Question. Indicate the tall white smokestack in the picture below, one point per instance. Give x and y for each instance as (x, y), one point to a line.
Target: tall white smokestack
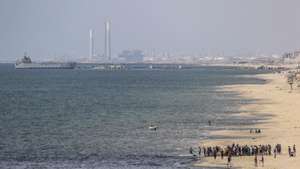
(91, 44)
(107, 48)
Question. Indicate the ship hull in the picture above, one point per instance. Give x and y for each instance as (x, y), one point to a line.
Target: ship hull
(45, 66)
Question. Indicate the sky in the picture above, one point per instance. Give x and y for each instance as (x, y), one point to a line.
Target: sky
(60, 28)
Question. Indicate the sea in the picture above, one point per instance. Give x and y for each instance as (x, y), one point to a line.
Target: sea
(90, 119)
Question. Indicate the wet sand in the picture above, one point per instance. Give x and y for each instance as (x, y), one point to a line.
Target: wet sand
(281, 124)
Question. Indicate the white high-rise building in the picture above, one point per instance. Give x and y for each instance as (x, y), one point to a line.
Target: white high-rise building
(107, 43)
(92, 50)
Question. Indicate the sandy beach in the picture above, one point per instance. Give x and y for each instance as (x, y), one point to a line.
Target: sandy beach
(279, 108)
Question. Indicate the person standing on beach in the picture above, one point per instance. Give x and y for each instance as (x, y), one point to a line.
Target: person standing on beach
(222, 154)
(294, 149)
(191, 150)
(215, 154)
(269, 149)
(262, 160)
(278, 148)
(275, 152)
(199, 149)
(290, 151)
(204, 151)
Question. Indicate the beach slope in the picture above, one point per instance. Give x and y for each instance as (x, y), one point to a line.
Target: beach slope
(279, 110)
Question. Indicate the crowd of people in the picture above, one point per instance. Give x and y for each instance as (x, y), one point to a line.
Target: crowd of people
(242, 150)
(237, 150)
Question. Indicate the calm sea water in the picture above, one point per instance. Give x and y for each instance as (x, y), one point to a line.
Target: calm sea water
(93, 119)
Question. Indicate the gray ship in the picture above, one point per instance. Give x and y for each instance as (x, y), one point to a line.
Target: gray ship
(26, 63)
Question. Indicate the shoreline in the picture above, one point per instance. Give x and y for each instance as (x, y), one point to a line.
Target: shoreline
(280, 123)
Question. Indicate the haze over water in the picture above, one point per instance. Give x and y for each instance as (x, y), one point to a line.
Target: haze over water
(53, 28)
(88, 119)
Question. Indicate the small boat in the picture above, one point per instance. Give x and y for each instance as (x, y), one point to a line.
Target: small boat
(153, 127)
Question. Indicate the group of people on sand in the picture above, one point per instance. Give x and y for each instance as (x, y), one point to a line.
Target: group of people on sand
(242, 150)
(255, 131)
(236, 150)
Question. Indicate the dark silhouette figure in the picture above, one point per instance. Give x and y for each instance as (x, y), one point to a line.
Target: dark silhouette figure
(191, 150)
(255, 160)
(229, 160)
(215, 154)
(209, 122)
(222, 154)
(294, 149)
(262, 160)
(199, 149)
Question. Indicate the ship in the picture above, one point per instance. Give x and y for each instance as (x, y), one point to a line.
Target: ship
(26, 63)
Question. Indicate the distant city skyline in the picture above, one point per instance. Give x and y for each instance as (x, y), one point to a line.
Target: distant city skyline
(59, 28)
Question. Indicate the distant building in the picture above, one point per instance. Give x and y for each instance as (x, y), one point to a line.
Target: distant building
(291, 57)
(263, 60)
(288, 55)
(132, 56)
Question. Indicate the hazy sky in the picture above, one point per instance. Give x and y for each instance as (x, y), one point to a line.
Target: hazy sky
(47, 28)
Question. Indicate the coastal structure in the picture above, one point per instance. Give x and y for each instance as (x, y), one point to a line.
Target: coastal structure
(107, 43)
(132, 56)
(92, 50)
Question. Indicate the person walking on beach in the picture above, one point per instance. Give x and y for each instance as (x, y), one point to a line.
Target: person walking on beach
(290, 151)
(229, 160)
(275, 152)
(255, 160)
